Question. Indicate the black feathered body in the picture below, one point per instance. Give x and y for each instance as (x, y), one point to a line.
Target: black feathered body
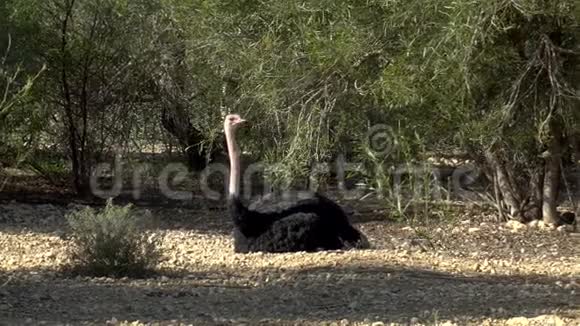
(309, 224)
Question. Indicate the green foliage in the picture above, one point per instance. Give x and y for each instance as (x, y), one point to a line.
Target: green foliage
(299, 71)
(50, 166)
(313, 77)
(112, 242)
(21, 120)
(100, 58)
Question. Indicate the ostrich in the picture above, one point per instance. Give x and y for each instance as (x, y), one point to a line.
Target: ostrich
(309, 224)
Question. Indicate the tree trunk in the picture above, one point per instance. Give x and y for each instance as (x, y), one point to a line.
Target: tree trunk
(552, 177)
(76, 142)
(533, 212)
(521, 201)
(173, 85)
(506, 190)
(575, 144)
(176, 121)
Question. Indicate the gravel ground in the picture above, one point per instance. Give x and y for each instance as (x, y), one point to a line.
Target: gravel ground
(467, 272)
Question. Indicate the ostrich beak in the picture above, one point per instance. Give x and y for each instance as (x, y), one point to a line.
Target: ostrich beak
(241, 121)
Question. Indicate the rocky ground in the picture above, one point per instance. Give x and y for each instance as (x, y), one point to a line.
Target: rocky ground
(465, 271)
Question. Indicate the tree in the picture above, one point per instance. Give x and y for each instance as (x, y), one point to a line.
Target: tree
(506, 75)
(20, 121)
(100, 56)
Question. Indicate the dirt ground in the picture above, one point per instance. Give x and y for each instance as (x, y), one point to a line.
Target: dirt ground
(468, 271)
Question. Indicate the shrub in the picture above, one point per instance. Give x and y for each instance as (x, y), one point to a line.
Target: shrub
(112, 242)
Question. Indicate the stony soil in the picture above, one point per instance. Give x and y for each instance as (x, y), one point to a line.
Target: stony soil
(467, 272)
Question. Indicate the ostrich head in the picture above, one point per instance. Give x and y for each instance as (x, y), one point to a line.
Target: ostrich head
(232, 121)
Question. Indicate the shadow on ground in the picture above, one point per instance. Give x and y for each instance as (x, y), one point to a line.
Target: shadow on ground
(308, 295)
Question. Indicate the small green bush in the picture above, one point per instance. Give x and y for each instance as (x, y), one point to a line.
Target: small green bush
(111, 243)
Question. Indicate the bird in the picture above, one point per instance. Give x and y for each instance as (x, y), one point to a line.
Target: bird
(312, 222)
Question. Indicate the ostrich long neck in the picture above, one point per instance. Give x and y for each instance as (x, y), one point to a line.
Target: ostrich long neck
(234, 155)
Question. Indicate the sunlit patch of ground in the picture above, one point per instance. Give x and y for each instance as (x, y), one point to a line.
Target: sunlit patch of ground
(460, 273)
